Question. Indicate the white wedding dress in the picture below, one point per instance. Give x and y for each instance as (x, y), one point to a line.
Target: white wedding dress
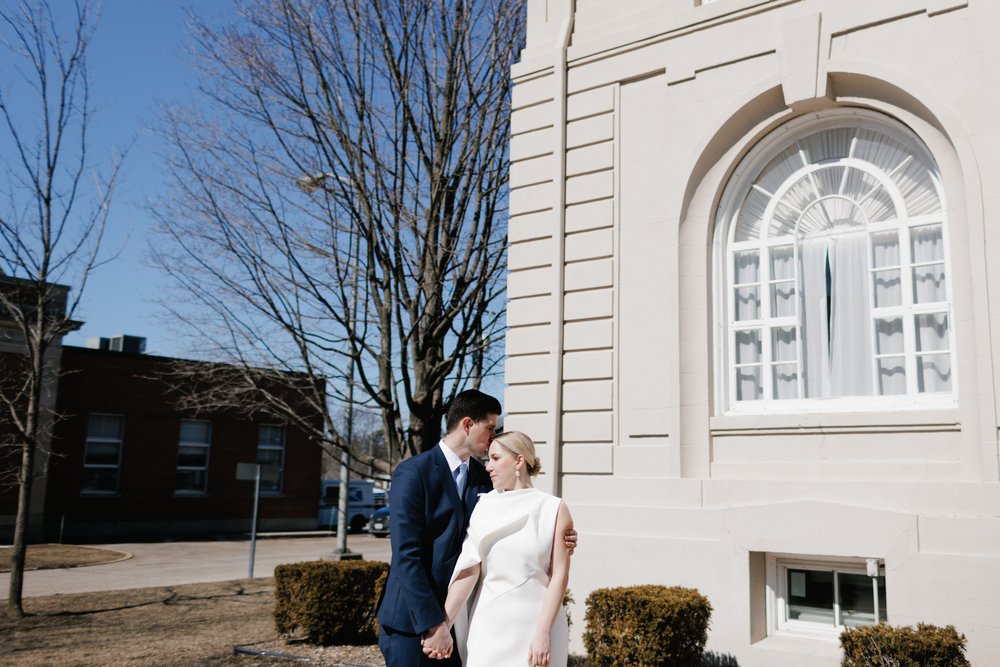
(511, 535)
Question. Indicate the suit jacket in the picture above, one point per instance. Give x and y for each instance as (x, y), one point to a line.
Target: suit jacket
(427, 525)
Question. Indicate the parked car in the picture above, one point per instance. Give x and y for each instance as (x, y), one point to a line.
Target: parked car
(379, 523)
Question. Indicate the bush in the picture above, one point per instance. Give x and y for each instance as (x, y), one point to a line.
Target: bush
(332, 602)
(646, 625)
(904, 646)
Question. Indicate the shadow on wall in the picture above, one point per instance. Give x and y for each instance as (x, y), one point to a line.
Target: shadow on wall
(712, 659)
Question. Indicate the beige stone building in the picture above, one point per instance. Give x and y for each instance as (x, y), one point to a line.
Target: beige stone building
(754, 305)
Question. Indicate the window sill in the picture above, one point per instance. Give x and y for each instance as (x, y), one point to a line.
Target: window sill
(886, 421)
(818, 645)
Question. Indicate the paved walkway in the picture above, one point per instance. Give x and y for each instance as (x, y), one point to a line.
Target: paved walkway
(172, 563)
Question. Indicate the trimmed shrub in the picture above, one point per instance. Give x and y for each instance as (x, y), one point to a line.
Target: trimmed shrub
(903, 646)
(331, 602)
(646, 625)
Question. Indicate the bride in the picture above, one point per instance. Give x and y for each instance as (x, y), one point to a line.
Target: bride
(516, 611)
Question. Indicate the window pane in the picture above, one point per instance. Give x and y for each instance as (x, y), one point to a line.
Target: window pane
(270, 434)
(783, 299)
(101, 453)
(195, 431)
(891, 376)
(105, 426)
(192, 456)
(926, 244)
(748, 386)
(932, 332)
(889, 336)
(810, 596)
(885, 249)
(746, 267)
(887, 288)
(783, 344)
(748, 346)
(928, 283)
(785, 381)
(879, 206)
(783, 221)
(191, 480)
(783, 263)
(934, 373)
(101, 480)
(857, 599)
(747, 303)
(751, 214)
(269, 456)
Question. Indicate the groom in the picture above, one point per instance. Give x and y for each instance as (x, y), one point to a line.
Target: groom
(431, 499)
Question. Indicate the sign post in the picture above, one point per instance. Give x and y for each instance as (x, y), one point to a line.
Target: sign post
(269, 472)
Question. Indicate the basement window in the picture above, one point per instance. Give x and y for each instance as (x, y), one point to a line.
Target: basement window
(820, 598)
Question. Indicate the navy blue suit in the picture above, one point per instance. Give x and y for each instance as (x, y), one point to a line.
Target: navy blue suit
(427, 525)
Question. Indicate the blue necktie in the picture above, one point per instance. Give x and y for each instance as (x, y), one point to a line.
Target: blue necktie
(461, 472)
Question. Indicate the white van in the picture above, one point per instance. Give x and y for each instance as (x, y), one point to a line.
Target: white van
(360, 504)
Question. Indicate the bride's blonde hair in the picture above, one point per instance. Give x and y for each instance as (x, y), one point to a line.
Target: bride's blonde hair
(519, 444)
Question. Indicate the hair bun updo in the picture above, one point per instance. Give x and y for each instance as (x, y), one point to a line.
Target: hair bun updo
(519, 444)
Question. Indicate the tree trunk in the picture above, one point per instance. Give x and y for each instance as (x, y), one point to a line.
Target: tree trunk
(20, 547)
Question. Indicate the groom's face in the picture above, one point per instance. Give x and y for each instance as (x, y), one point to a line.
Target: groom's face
(480, 434)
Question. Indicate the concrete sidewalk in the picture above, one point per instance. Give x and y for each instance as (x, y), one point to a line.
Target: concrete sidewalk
(173, 563)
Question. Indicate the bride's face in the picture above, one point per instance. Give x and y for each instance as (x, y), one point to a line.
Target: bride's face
(502, 467)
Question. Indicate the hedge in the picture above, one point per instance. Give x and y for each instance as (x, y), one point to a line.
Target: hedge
(903, 646)
(646, 625)
(331, 602)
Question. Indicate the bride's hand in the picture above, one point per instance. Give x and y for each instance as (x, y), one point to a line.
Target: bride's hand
(540, 651)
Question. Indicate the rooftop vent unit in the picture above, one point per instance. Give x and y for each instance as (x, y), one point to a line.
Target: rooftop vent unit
(120, 343)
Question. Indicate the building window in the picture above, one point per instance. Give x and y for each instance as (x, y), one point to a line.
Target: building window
(192, 456)
(271, 449)
(102, 454)
(822, 598)
(836, 271)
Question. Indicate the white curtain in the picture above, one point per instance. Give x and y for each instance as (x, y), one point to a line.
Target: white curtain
(815, 332)
(850, 318)
(836, 319)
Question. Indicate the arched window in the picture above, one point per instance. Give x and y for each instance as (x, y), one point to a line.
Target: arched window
(836, 265)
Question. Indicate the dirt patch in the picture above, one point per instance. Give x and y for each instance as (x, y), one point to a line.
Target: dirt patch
(54, 556)
(193, 624)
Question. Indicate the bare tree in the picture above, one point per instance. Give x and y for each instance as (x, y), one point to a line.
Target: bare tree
(339, 200)
(52, 221)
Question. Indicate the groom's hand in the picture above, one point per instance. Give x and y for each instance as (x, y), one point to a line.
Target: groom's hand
(437, 642)
(570, 540)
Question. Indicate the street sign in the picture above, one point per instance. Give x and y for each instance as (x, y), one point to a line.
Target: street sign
(269, 472)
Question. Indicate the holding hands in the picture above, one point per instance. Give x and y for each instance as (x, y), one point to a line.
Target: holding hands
(437, 642)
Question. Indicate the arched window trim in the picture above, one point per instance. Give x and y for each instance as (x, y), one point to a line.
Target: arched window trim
(743, 177)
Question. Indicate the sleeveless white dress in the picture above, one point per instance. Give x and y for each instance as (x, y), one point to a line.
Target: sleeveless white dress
(511, 535)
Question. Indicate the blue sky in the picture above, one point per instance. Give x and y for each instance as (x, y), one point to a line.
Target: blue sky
(137, 63)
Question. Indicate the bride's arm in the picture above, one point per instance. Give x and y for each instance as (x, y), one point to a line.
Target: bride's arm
(459, 592)
(439, 644)
(540, 651)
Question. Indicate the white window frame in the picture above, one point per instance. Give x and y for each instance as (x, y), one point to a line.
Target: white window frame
(119, 441)
(207, 446)
(778, 566)
(724, 279)
(280, 484)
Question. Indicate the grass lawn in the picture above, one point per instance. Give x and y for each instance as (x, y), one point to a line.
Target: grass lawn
(193, 624)
(53, 556)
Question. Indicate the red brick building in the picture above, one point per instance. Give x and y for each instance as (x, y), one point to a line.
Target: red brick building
(128, 462)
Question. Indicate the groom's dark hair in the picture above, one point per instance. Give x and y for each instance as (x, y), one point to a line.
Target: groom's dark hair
(471, 403)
